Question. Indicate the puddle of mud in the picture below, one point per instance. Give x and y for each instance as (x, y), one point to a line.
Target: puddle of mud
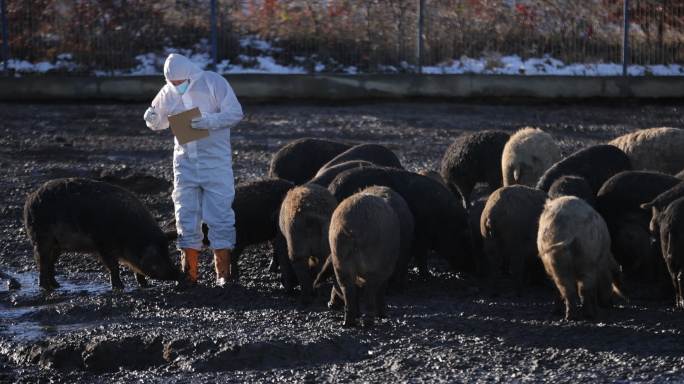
(18, 308)
(30, 287)
(31, 331)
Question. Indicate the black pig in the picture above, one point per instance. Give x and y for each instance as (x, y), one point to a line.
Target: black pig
(299, 160)
(441, 221)
(84, 215)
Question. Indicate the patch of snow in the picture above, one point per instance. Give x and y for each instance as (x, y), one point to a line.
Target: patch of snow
(264, 62)
(514, 65)
(258, 44)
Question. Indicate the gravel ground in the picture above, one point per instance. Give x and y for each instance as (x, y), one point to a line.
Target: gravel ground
(441, 329)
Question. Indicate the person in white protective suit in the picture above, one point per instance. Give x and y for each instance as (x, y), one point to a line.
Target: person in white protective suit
(203, 185)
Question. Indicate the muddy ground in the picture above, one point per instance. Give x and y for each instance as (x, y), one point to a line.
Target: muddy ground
(443, 328)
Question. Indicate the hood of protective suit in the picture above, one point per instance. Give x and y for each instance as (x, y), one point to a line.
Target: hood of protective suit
(179, 67)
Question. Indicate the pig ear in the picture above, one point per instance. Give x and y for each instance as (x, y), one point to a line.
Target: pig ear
(646, 206)
(171, 235)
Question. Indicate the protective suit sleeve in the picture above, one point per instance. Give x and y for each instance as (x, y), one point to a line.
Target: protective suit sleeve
(230, 110)
(161, 106)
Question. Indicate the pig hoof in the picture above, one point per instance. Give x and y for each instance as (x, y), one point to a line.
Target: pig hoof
(46, 287)
(49, 285)
(142, 281)
(349, 324)
(226, 283)
(572, 316)
(334, 304)
(13, 284)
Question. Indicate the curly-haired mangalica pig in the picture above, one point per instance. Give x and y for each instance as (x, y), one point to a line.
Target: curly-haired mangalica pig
(304, 222)
(474, 158)
(596, 164)
(619, 202)
(441, 221)
(574, 246)
(365, 244)
(668, 224)
(325, 176)
(373, 153)
(299, 160)
(527, 155)
(654, 149)
(83, 215)
(571, 185)
(660, 202)
(406, 226)
(627, 191)
(508, 226)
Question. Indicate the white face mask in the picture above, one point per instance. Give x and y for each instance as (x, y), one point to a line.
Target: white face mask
(182, 87)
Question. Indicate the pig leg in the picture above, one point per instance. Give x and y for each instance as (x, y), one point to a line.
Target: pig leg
(493, 266)
(142, 281)
(419, 252)
(301, 269)
(112, 264)
(279, 248)
(400, 275)
(234, 268)
(567, 287)
(589, 297)
(370, 302)
(46, 253)
(570, 299)
(680, 290)
(351, 305)
(381, 305)
(517, 268)
(336, 298)
(287, 275)
(351, 299)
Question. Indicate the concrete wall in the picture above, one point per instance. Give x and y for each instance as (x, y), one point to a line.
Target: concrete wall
(347, 87)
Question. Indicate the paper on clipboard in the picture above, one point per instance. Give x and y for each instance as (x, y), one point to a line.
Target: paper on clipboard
(180, 126)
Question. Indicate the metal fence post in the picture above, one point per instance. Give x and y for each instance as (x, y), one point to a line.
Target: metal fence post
(5, 37)
(419, 43)
(214, 36)
(625, 37)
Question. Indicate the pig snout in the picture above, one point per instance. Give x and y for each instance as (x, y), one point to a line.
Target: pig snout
(158, 265)
(165, 271)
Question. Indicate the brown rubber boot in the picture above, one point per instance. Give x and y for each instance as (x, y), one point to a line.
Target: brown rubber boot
(189, 259)
(222, 266)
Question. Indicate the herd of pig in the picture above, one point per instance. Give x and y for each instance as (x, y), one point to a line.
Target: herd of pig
(352, 212)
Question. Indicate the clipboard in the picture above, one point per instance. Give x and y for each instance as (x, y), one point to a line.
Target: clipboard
(180, 126)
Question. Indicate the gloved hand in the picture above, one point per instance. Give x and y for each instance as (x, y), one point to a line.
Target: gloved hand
(151, 116)
(203, 122)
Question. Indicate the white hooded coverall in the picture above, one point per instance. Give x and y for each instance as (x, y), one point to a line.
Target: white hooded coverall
(203, 185)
